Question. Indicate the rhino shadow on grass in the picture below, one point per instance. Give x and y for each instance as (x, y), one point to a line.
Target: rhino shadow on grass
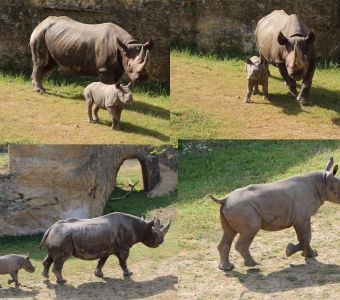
(316, 274)
(149, 109)
(132, 128)
(20, 292)
(111, 288)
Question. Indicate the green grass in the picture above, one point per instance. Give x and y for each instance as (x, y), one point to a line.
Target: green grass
(3, 160)
(219, 167)
(207, 95)
(59, 115)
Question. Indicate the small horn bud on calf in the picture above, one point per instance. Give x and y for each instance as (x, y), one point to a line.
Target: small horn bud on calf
(257, 74)
(98, 238)
(113, 97)
(275, 206)
(11, 264)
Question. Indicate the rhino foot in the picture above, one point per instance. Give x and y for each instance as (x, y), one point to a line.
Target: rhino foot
(61, 281)
(40, 90)
(246, 100)
(98, 273)
(45, 274)
(226, 266)
(310, 253)
(127, 274)
(249, 262)
(304, 101)
(290, 250)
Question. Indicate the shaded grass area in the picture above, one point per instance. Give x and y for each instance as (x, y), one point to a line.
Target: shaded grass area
(59, 115)
(207, 102)
(3, 160)
(219, 167)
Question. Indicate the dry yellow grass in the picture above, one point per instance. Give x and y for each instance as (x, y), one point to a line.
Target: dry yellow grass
(207, 102)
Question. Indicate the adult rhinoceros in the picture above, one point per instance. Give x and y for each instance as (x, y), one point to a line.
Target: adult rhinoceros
(287, 43)
(104, 49)
(98, 238)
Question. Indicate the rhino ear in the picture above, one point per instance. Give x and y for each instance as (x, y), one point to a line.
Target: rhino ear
(335, 169)
(329, 164)
(282, 40)
(249, 61)
(149, 44)
(122, 46)
(310, 38)
(28, 256)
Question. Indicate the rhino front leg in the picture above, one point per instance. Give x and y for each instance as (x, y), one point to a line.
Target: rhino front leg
(306, 86)
(250, 86)
(47, 264)
(122, 257)
(265, 89)
(37, 75)
(101, 262)
(89, 104)
(242, 246)
(115, 115)
(14, 276)
(304, 235)
(291, 84)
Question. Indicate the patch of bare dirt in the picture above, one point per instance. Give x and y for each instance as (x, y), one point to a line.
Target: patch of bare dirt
(168, 183)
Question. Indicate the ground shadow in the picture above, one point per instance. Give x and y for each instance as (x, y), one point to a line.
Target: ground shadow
(112, 288)
(131, 128)
(292, 277)
(149, 109)
(18, 292)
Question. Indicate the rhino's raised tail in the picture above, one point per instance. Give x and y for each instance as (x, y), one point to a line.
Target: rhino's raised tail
(45, 236)
(219, 201)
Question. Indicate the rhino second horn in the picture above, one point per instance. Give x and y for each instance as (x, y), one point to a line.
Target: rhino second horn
(166, 228)
(329, 164)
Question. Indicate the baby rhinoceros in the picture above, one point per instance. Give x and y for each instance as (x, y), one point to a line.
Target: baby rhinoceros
(11, 264)
(113, 97)
(275, 206)
(257, 74)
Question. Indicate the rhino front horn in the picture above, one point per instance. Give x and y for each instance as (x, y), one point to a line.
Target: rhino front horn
(166, 228)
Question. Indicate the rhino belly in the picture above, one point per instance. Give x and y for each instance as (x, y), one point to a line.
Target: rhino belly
(72, 51)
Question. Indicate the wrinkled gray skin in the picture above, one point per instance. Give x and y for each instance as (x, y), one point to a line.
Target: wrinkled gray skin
(275, 206)
(287, 43)
(98, 238)
(11, 264)
(104, 49)
(113, 97)
(257, 74)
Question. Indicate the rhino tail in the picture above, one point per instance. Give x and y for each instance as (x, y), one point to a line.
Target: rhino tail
(45, 237)
(219, 201)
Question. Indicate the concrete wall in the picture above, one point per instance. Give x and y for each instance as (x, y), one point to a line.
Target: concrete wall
(230, 24)
(143, 19)
(47, 183)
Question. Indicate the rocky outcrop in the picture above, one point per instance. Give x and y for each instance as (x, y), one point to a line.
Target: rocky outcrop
(143, 19)
(220, 25)
(47, 183)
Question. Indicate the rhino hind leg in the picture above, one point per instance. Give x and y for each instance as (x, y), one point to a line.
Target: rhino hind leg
(256, 90)
(242, 246)
(57, 270)
(14, 276)
(98, 272)
(95, 113)
(47, 262)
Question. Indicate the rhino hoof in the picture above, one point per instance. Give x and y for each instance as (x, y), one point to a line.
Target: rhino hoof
(250, 263)
(99, 274)
(310, 253)
(62, 281)
(226, 267)
(290, 250)
(9, 281)
(45, 274)
(127, 274)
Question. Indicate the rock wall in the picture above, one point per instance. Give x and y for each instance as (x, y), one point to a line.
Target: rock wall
(47, 183)
(141, 18)
(229, 25)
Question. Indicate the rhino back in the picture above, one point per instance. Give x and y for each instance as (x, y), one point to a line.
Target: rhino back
(279, 204)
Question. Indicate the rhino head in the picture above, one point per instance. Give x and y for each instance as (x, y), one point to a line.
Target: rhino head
(332, 183)
(154, 233)
(124, 93)
(27, 266)
(297, 53)
(136, 60)
(256, 68)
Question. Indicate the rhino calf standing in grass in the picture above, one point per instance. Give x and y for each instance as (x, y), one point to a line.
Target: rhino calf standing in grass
(275, 206)
(257, 74)
(11, 264)
(98, 238)
(113, 97)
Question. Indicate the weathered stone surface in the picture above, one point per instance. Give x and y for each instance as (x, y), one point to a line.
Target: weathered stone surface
(141, 18)
(47, 183)
(229, 25)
